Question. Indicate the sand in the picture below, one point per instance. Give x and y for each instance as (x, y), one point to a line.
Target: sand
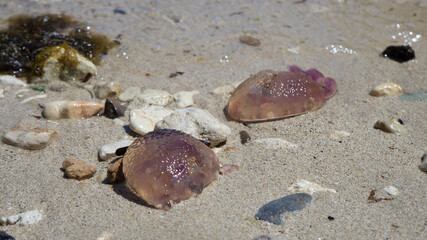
(155, 37)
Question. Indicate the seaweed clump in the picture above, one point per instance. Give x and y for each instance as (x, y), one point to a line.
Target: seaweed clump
(27, 37)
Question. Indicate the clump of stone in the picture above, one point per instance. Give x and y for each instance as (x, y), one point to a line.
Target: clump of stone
(78, 169)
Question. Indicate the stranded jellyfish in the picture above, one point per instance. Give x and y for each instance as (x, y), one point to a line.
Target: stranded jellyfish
(167, 166)
(272, 95)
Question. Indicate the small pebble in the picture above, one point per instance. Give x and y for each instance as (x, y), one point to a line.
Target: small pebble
(106, 235)
(275, 211)
(114, 108)
(197, 122)
(11, 80)
(29, 137)
(1, 93)
(412, 97)
(5, 236)
(275, 143)
(339, 134)
(23, 219)
(390, 125)
(115, 172)
(144, 120)
(129, 94)
(399, 53)
(423, 165)
(184, 99)
(249, 40)
(57, 87)
(330, 218)
(386, 89)
(228, 168)
(78, 169)
(391, 190)
(308, 187)
(70, 109)
(107, 89)
(244, 137)
(226, 89)
(109, 151)
(152, 97)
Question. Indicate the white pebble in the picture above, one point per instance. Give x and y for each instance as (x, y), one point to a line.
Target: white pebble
(11, 80)
(386, 89)
(197, 122)
(29, 137)
(70, 109)
(390, 125)
(152, 97)
(26, 218)
(308, 187)
(391, 190)
(184, 98)
(294, 50)
(144, 120)
(34, 97)
(109, 151)
(274, 143)
(129, 94)
(1, 93)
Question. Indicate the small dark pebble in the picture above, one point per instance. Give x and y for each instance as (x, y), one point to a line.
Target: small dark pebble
(262, 237)
(330, 218)
(244, 137)
(5, 236)
(274, 211)
(249, 40)
(423, 165)
(175, 74)
(400, 121)
(121, 151)
(114, 108)
(119, 11)
(399, 53)
(205, 142)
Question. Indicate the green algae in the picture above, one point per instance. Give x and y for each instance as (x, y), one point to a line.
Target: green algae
(29, 40)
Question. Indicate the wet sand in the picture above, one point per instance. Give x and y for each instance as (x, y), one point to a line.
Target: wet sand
(202, 40)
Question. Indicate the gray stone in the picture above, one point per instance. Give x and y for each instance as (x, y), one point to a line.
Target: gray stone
(129, 94)
(29, 137)
(11, 80)
(275, 211)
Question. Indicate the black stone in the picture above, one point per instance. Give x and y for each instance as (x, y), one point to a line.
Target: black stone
(114, 108)
(330, 218)
(399, 53)
(5, 236)
(244, 137)
(274, 211)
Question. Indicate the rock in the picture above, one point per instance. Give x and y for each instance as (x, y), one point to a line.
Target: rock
(29, 137)
(274, 143)
(115, 172)
(70, 109)
(391, 190)
(107, 89)
(78, 169)
(144, 120)
(244, 137)
(249, 40)
(390, 125)
(63, 62)
(11, 80)
(399, 53)
(412, 97)
(275, 211)
(197, 122)
(129, 94)
(114, 108)
(184, 99)
(308, 187)
(386, 89)
(152, 97)
(423, 165)
(109, 151)
(23, 219)
(5, 236)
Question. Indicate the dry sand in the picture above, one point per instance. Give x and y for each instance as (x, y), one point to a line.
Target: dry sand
(154, 35)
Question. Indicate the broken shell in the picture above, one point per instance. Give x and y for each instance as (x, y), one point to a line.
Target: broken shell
(386, 89)
(167, 166)
(70, 109)
(29, 137)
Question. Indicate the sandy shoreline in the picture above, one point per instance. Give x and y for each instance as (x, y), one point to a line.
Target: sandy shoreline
(153, 42)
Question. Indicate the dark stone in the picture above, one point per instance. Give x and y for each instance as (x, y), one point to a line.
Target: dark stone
(119, 11)
(274, 211)
(330, 218)
(5, 236)
(114, 108)
(244, 137)
(399, 53)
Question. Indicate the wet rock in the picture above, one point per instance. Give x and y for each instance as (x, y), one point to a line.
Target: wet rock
(29, 137)
(129, 94)
(109, 151)
(107, 89)
(115, 172)
(152, 97)
(274, 143)
(249, 40)
(412, 97)
(63, 62)
(198, 123)
(275, 211)
(423, 165)
(70, 109)
(114, 108)
(308, 187)
(391, 190)
(11, 80)
(184, 99)
(399, 53)
(390, 125)
(144, 120)
(386, 89)
(78, 169)
(23, 219)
